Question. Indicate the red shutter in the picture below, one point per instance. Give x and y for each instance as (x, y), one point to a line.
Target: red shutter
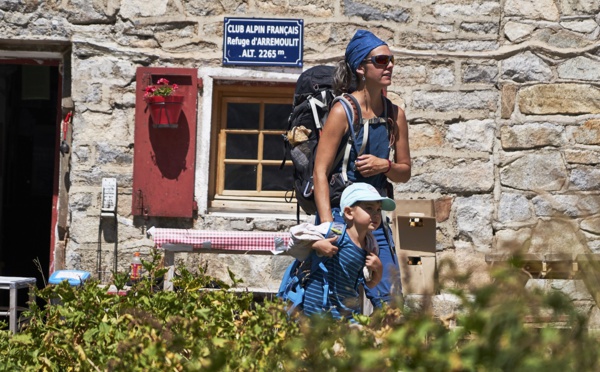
(164, 159)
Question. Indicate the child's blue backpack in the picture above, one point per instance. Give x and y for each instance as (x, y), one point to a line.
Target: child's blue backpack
(294, 279)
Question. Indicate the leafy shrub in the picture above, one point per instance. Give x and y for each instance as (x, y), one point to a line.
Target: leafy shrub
(204, 325)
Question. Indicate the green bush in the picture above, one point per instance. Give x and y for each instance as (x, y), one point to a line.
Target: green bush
(217, 329)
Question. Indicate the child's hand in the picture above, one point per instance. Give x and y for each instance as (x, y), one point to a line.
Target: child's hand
(375, 267)
(325, 247)
(373, 263)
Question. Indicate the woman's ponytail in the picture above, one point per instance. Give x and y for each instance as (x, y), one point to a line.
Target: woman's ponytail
(344, 80)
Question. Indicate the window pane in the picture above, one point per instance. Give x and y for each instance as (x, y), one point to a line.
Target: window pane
(273, 147)
(275, 179)
(242, 146)
(242, 115)
(240, 177)
(276, 116)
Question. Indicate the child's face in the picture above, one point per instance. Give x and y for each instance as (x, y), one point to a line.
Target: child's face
(368, 213)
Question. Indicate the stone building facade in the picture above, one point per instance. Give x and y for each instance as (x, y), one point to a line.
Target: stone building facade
(502, 100)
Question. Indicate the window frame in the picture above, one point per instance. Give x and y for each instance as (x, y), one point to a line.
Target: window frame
(219, 200)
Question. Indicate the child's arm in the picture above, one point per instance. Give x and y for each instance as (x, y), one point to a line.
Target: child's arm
(306, 237)
(373, 264)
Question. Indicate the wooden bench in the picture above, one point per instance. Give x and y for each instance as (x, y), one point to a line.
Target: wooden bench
(584, 267)
(539, 265)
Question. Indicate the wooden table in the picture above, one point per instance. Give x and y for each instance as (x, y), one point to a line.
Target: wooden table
(212, 241)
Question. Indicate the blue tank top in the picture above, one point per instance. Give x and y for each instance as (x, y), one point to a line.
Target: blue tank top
(378, 144)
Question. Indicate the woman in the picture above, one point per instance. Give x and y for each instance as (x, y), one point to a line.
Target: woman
(368, 65)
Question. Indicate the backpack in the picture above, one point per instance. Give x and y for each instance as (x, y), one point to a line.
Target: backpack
(291, 289)
(313, 97)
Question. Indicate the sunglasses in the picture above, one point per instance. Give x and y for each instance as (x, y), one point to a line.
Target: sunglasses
(380, 59)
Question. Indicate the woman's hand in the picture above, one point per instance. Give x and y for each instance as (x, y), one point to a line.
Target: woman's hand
(370, 165)
(325, 247)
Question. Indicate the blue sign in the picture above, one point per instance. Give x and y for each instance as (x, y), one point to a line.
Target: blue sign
(263, 42)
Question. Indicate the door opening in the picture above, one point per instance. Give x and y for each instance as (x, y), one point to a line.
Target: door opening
(29, 134)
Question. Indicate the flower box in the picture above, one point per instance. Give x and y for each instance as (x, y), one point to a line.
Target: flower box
(165, 110)
(165, 107)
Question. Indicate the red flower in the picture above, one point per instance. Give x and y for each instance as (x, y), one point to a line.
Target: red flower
(161, 89)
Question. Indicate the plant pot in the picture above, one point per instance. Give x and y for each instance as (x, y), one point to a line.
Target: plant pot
(165, 111)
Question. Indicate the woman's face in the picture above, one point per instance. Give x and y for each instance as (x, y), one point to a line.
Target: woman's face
(378, 66)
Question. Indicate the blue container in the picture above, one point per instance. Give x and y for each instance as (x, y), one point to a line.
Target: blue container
(75, 277)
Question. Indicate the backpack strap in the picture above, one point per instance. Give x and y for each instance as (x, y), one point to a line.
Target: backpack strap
(325, 298)
(391, 122)
(290, 288)
(351, 115)
(357, 117)
(322, 103)
(356, 111)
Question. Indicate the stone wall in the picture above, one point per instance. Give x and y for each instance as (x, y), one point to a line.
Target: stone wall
(502, 99)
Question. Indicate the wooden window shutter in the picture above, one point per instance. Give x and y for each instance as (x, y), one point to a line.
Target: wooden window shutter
(164, 157)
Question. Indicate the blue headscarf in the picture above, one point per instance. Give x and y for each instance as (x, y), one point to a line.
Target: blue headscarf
(362, 43)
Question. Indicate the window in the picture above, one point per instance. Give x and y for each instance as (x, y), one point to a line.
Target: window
(247, 147)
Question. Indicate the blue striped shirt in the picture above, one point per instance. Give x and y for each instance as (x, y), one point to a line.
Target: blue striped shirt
(343, 276)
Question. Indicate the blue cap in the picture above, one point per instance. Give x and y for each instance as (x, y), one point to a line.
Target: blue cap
(362, 43)
(361, 191)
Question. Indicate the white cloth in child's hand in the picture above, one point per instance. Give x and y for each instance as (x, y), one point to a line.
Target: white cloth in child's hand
(368, 274)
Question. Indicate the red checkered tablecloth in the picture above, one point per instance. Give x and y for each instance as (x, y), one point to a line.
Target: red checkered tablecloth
(226, 240)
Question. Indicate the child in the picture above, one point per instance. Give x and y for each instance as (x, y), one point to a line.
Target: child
(333, 287)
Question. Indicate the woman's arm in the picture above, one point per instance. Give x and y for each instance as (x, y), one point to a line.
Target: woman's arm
(400, 170)
(333, 131)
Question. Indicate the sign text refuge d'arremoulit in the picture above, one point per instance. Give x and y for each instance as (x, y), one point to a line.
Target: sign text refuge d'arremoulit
(263, 42)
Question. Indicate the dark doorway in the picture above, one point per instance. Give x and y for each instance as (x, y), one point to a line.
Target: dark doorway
(29, 134)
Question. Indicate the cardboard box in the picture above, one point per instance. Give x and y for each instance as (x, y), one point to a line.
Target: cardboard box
(414, 229)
